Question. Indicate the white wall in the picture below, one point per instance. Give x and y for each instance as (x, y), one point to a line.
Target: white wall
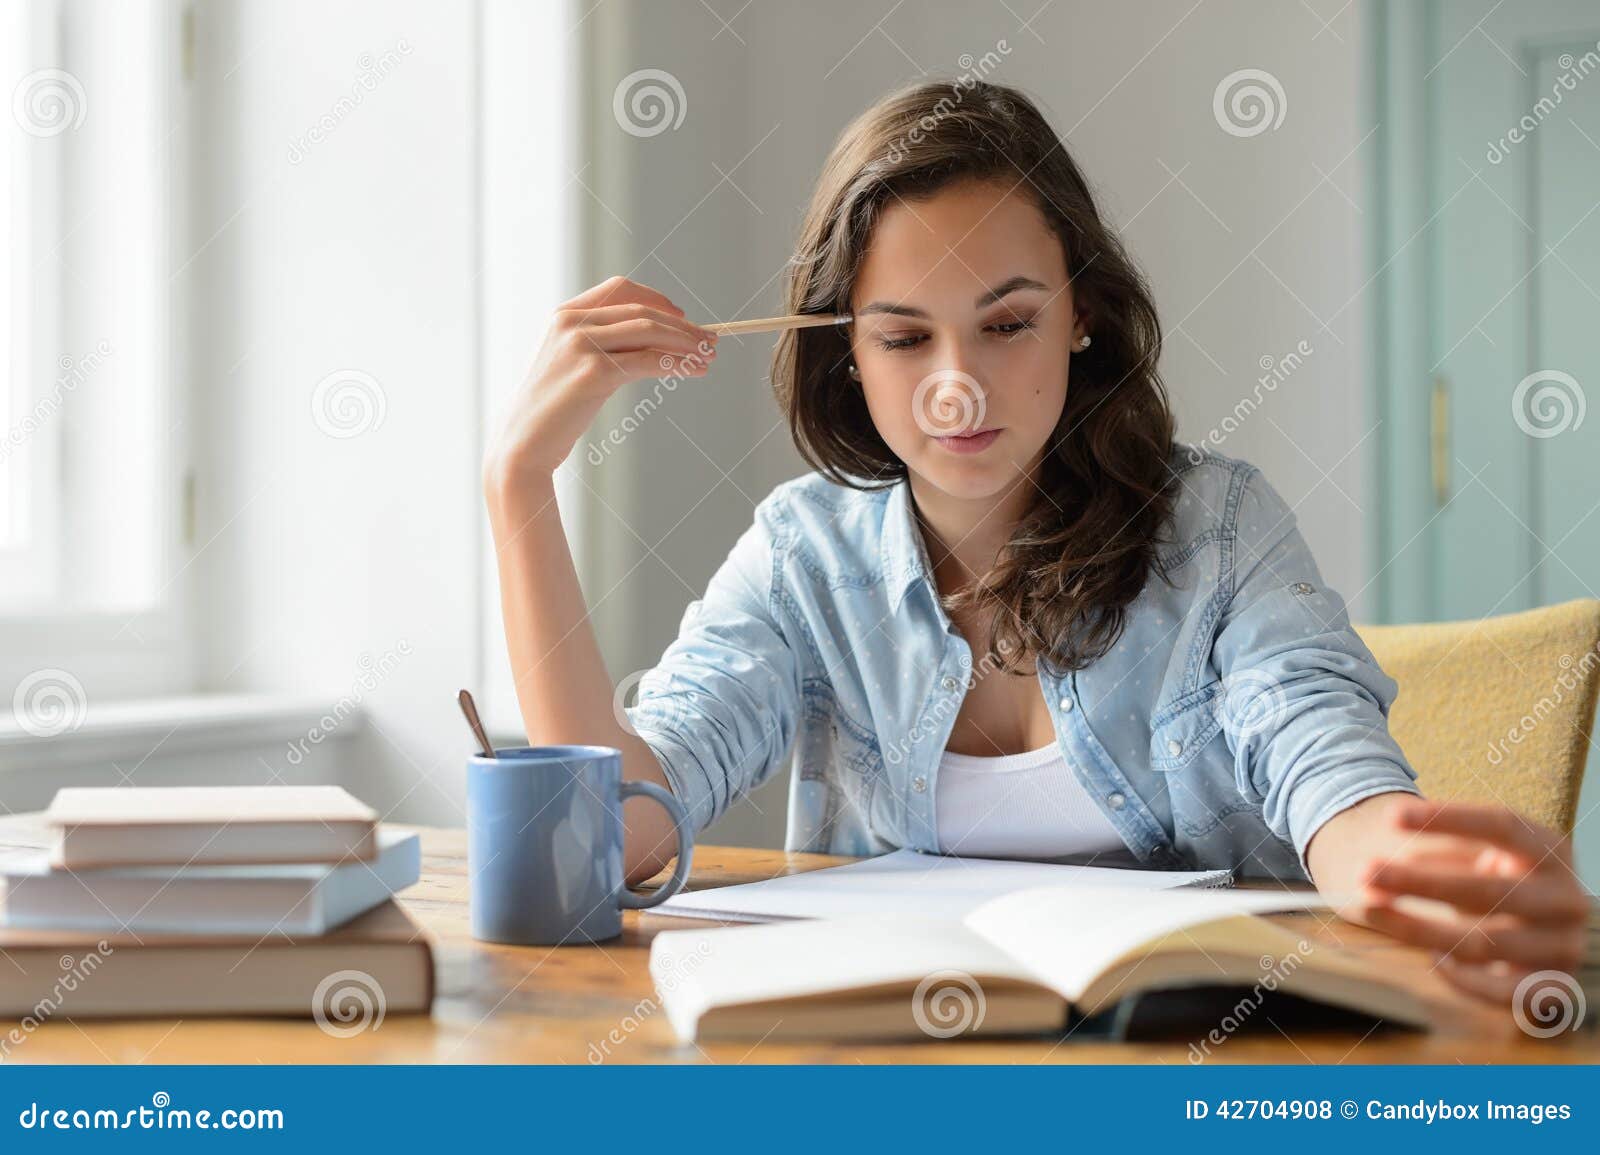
(340, 566)
(1248, 248)
(362, 251)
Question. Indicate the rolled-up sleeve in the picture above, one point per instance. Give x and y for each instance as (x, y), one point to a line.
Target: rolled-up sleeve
(720, 708)
(1303, 702)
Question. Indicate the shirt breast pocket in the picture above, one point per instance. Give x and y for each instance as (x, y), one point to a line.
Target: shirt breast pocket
(834, 740)
(1183, 728)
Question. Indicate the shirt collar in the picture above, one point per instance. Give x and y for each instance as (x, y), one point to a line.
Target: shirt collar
(902, 552)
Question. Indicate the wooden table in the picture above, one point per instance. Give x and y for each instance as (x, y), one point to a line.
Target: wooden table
(498, 1004)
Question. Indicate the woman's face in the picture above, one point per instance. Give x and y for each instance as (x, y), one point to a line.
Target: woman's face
(964, 327)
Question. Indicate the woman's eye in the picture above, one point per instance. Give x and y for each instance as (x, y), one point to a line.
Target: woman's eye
(909, 340)
(1012, 328)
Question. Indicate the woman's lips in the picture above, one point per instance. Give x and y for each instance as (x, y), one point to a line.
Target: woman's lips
(969, 442)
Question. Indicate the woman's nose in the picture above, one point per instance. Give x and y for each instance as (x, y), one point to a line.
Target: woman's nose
(950, 401)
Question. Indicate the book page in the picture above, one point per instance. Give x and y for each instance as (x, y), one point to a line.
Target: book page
(928, 885)
(696, 970)
(1067, 937)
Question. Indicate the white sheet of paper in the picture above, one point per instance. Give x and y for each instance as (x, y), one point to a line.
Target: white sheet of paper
(908, 882)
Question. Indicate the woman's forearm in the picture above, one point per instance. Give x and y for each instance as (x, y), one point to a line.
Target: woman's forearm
(615, 332)
(1347, 845)
(563, 690)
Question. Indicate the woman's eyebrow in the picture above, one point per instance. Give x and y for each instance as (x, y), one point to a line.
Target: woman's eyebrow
(988, 297)
(888, 307)
(1007, 287)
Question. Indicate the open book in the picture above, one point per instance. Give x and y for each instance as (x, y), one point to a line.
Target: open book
(1020, 963)
(933, 885)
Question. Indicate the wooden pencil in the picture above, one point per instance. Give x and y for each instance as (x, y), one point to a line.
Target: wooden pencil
(776, 324)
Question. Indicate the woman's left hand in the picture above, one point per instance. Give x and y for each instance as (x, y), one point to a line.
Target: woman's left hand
(1503, 900)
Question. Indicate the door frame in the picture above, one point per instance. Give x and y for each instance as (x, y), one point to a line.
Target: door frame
(1398, 317)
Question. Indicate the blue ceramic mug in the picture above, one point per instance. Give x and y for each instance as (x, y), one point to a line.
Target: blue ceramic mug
(544, 844)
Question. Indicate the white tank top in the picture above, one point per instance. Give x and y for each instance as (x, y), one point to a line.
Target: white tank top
(1018, 806)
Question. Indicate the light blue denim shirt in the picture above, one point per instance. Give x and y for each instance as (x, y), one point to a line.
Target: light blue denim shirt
(1237, 712)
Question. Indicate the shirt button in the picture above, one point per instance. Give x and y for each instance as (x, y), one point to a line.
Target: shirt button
(1174, 747)
(1066, 705)
(1304, 588)
(1115, 801)
(950, 683)
(919, 784)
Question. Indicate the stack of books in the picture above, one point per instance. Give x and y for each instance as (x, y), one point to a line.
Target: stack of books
(256, 900)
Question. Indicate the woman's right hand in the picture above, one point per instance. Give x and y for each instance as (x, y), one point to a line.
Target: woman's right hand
(616, 332)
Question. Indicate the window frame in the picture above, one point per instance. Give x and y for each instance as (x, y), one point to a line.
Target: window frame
(33, 326)
(136, 643)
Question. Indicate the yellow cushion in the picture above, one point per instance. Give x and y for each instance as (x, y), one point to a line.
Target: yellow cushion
(1500, 709)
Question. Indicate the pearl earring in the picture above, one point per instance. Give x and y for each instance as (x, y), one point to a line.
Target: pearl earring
(1084, 344)
(855, 374)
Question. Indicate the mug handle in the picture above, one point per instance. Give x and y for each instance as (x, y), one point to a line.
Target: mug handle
(637, 900)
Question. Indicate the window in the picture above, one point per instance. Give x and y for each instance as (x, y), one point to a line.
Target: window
(92, 453)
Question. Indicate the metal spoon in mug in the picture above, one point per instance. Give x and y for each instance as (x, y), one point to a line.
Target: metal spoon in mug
(471, 711)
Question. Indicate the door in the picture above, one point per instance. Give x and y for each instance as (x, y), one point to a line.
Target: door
(1488, 313)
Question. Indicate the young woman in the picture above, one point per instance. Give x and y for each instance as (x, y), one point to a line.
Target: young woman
(1008, 615)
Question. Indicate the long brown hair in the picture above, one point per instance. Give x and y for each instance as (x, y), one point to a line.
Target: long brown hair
(1060, 589)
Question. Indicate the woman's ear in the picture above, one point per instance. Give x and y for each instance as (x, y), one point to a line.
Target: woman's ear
(1080, 333)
